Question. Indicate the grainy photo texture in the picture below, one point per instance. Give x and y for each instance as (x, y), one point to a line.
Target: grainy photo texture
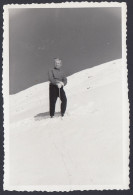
(66, 112)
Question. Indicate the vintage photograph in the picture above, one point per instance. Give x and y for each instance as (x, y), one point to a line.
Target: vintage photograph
(66, 112)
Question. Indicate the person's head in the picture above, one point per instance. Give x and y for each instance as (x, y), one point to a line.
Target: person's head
(58, 63)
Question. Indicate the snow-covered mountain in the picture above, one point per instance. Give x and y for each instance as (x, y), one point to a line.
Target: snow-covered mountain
(85, 148)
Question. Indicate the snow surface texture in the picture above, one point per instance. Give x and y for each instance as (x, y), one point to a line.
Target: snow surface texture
(85, 148)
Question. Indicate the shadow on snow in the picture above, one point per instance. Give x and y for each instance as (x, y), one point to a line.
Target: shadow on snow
(45, 115)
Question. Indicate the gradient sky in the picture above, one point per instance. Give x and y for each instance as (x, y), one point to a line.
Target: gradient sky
(81, 37)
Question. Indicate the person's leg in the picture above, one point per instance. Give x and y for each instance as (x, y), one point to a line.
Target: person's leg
(63, 101)
(52, 98)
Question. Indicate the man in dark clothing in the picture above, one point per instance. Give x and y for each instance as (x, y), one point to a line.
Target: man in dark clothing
(57, 82)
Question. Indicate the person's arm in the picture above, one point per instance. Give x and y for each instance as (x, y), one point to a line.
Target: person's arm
(64, 80)
(51, 78)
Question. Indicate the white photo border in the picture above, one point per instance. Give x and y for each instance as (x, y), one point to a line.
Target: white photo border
(5, 91)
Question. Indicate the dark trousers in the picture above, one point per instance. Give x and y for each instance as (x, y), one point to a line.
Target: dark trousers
(53, 95)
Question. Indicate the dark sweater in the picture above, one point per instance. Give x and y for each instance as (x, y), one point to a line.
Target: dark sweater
(56, 75)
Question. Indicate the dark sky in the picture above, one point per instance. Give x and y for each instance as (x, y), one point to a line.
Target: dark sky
(81, 37)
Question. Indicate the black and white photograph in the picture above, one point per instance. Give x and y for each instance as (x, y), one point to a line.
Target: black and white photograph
(66, 108)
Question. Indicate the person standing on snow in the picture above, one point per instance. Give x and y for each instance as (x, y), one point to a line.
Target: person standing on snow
(57, 82)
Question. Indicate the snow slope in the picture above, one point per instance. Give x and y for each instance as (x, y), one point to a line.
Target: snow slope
(85, 148)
